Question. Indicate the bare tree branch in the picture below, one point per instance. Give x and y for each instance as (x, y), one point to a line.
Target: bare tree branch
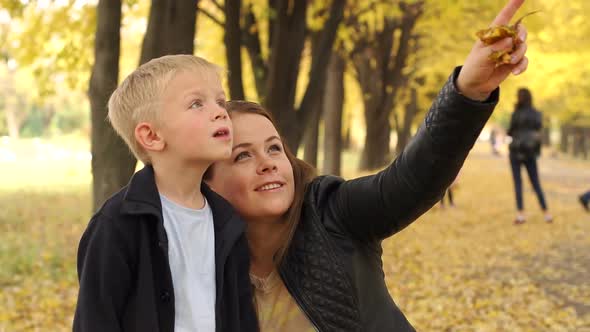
(211, 17)
(218, 5)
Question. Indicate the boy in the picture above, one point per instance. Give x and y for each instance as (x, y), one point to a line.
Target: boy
(166, 253)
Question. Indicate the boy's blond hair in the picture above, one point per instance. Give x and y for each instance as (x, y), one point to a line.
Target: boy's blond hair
(137, 98)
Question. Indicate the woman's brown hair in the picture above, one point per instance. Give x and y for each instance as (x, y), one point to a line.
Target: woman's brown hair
(303, 173)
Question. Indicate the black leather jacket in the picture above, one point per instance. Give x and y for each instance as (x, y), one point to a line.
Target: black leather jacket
(333, 267)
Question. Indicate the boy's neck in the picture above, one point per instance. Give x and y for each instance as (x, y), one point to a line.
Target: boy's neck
(180, 183)
(264, 240)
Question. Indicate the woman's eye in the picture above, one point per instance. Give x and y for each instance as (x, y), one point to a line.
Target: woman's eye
(241, 156)
(275, 148)
(196, 104)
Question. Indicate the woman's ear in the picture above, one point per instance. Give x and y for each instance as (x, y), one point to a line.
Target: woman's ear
(148, 137)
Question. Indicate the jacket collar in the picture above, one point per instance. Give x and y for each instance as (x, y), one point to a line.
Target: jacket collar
(142, 197)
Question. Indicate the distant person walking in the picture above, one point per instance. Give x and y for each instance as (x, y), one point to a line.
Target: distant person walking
(525, 148)
(449, 193)
(585, 200)
(494, 142)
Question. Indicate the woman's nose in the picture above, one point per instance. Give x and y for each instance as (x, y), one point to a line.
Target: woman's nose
(267, 165)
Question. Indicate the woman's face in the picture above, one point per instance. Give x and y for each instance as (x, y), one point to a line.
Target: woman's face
(258, 178)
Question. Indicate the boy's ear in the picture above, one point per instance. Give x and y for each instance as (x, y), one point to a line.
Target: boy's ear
(148, 137)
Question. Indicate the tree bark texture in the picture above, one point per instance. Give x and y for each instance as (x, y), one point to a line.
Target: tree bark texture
(233, 46)
(311, 130)
(171, 29)
(380, 72)
(288, 39)
(251, 40)
(333, 106)
(112, 162)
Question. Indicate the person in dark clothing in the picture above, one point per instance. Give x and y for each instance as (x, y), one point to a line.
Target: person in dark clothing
(166, 253)
(449, 195)
(585, 200)
(494, 142)
(316, 241)
(525, 148)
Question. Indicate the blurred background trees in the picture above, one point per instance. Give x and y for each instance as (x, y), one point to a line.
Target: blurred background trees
(336, 74)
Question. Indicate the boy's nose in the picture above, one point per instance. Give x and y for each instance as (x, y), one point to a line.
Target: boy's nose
(219, 113)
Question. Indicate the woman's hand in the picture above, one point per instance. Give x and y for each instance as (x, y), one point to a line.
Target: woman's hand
(480, 75)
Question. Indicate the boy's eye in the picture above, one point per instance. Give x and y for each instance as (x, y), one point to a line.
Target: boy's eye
(221, 102)
(196, 104)
(241, 156)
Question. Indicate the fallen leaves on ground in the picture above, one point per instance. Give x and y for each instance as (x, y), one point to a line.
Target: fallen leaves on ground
(466, 268)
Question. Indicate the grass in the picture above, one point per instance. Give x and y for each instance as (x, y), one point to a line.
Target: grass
(461, 269)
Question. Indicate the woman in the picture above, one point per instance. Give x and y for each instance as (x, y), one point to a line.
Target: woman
(316, 241)
(525, 148)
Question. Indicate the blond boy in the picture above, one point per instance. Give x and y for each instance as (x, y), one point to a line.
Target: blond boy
(166, 253)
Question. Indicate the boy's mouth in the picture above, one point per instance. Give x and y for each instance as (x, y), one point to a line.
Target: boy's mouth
(221, 133)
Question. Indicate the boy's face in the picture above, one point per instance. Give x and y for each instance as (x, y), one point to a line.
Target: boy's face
(193, 121)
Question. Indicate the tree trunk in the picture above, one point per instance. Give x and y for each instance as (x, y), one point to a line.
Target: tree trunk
(251, 40)
(376, 144)
(276, 79)
(380, 73)
(579, 148)
(347, 139)
(376, 151)
(583, 143)
(13, 121)
(311, 138)
(112, 163)
(14, 118)
(333, 106)
(312, 128)
(563, 146)
(318, 71)
(288, 37)
(233, 48)
(546, 136)
(404, 133)
(170, 30)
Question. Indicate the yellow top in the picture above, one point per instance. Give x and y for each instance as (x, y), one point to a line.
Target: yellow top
(277, 309)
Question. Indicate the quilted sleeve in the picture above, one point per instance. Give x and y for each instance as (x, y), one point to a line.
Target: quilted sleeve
(377, 206)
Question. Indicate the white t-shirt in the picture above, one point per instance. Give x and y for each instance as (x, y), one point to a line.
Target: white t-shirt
(191, 252)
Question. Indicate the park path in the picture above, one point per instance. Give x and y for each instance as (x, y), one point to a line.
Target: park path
(567, 263)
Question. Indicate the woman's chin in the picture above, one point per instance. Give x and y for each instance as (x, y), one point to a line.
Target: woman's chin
(269, 215)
